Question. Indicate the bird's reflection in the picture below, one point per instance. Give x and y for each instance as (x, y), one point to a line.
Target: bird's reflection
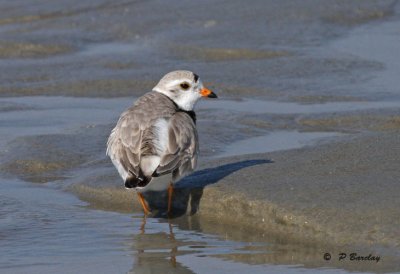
(156, 252)
(174, 250)
(143, 225)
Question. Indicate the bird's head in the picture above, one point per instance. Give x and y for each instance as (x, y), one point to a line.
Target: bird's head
(184, 88)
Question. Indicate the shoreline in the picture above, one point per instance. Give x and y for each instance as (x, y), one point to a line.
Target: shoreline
(259, 191)
(248, 190)
(292, 186)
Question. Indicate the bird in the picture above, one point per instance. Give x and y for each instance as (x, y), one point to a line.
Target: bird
(155, 142)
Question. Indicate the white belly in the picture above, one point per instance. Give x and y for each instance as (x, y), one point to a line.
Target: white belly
(157, 184)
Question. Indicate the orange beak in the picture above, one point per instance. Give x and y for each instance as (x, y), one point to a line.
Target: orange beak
(208, 93)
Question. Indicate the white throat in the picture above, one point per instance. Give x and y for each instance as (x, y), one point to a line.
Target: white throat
(185, 101)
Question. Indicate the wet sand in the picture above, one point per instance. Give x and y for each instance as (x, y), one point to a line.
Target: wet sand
(288, 198)
(327, 195)
(310, 87)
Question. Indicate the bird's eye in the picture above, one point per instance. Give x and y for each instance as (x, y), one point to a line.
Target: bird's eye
(185, 86)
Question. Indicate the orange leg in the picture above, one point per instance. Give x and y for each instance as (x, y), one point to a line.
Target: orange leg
(144, 204)
(170, 192)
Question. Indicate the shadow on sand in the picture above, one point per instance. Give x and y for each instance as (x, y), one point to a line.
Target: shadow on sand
(189, 190)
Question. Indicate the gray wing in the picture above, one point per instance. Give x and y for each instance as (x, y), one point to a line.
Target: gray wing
(180, 156)
(131, 139)
(124, 143)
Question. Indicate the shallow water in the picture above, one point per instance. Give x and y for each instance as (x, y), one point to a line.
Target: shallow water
(279, 140)
(47, 230)
(378, 43)
(257, 107)
(50, 231)
(258, 58)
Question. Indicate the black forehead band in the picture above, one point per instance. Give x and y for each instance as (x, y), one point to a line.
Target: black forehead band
(196, 77)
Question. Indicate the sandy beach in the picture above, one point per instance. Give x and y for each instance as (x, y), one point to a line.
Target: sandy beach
(299, 156)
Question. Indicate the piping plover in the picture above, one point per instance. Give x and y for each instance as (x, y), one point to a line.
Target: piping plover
(155, 141)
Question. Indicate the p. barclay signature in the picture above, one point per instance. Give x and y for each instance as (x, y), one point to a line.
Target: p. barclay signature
(356, 257)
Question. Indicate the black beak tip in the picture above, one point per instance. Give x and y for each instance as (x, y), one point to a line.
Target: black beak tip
(212, 95)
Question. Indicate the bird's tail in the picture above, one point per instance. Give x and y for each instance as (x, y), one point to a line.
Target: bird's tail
(133, 181)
